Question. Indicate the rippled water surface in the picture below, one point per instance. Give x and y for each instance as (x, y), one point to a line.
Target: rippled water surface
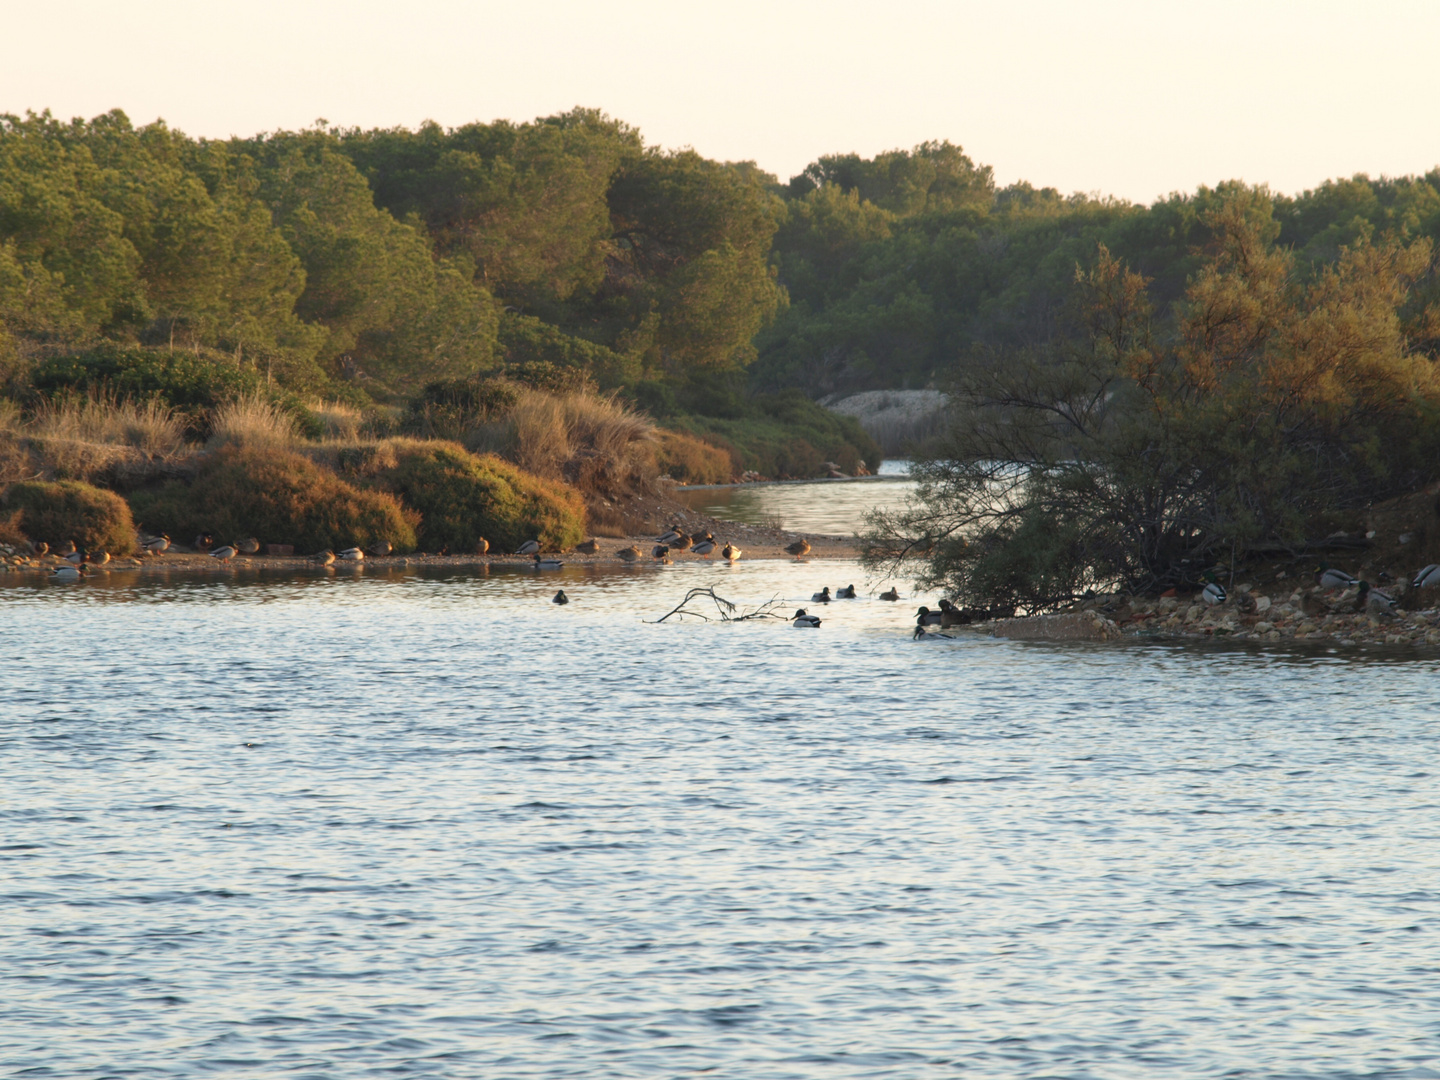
(836, 507)
(365, 824)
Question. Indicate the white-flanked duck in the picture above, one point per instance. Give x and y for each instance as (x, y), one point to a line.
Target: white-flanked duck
(224, 554)
(75, 556)
(1327, 577)
(846, 593)
(1213, 593)
(156, 545)
(1427, 578)
(669, 536)
(529, 547)
(805, 620)
(704, 547)
(351, 554)
(821, 597)
(1375, 600)
(67, 572)
(547, 564)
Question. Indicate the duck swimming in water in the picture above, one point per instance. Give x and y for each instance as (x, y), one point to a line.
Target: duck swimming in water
(67, 572)
(821, 597)
(926, 617)
(847, 593)
(890, 594)
(547, 564)
(560, 598)
(804, 620)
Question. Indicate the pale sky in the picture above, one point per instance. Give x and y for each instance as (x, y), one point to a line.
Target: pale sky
(1135, 98)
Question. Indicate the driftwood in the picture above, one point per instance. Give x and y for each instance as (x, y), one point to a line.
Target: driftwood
(725, 610)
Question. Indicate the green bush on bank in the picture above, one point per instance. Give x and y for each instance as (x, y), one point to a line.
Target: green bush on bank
(279, 497)
(70, 510)
(462, 497)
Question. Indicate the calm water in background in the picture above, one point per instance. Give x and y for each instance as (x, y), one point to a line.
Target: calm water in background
(834, 507)
(363, 824)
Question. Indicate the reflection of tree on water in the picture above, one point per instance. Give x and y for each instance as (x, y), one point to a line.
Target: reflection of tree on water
(833, 507)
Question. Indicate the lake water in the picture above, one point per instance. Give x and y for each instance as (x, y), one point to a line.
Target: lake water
(367, 824)
(834, 507)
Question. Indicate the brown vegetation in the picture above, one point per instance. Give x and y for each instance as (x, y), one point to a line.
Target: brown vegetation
(278, 496)
(71, 510)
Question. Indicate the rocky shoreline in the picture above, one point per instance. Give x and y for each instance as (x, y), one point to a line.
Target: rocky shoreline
(1304, 614)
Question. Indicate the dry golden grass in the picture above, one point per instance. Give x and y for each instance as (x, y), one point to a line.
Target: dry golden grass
(340, 422)
(594, 442)
(253, 422)
(148, 426)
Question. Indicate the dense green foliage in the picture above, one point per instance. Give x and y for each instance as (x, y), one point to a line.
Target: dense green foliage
(97, 520)
(278, 496)
(366, 265)
(462, 497)
(1277, 402)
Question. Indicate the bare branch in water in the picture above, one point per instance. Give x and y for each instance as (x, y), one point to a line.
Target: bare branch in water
(724, 609)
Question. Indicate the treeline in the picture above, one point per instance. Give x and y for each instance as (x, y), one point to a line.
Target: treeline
(902, 269)
(368, 265)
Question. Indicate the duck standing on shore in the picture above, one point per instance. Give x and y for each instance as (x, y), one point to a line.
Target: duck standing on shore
(529, 547)
(156, 545)
(800, 548)
(730, 553)
(704, 547)
(1427, 578)
(1327, 577)
(1375, 601)
(482, 546)
(249, 546)
(588, 547)
(660, 551)
(224, 554)
(681, 543)
(98, 558)
(1213, 593)
(629, 554)
(351, 554)
(381, 548)
(324, 558)
(669, 536)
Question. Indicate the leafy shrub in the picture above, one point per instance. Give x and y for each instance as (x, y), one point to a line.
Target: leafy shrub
(528, 344)
(447, 409)
(69, 510)
(189, 381)
(279, 497)
(694, 461)
(462, 497)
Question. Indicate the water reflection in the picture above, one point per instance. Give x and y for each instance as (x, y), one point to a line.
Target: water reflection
(832, 507)
(424, 822)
